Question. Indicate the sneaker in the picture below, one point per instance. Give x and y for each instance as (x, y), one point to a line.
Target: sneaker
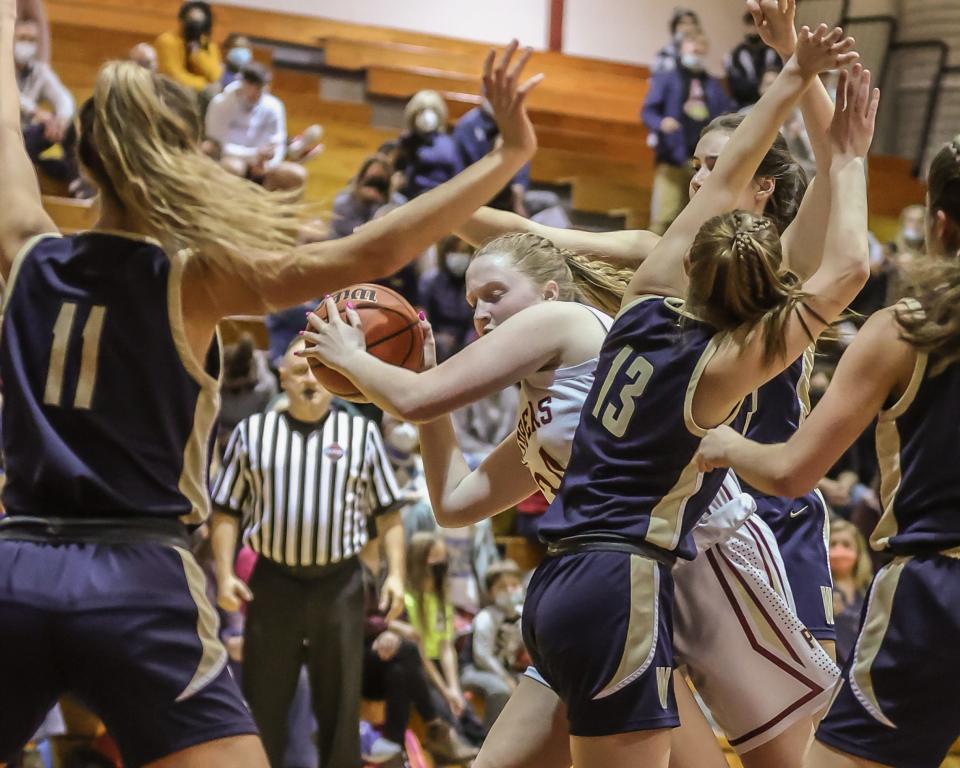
(446, 746)
(381, 751)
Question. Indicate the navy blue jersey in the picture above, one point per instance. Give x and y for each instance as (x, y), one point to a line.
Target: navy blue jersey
(632, 471)
(106, 412)
(776, 410)
(918, 445)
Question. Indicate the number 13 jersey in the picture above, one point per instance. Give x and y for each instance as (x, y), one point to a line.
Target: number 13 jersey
(632, 471)
(106, 412)
(550, 406)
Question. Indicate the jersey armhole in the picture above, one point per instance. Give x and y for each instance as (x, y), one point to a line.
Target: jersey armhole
(18, 260)
(692, 426)
(897, 410)
(190, 362)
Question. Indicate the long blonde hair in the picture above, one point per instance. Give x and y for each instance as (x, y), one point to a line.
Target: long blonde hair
(140, 141)
(578, 277)
(736, 278)
(863, 569)
(934, 326)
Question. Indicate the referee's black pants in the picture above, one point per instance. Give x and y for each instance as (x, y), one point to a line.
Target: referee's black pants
(314, 616)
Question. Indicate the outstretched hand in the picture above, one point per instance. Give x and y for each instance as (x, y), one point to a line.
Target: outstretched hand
(333, 341)
(774, 20)
(823, 49)
(855, 113)
(429, 343)
(507, 97)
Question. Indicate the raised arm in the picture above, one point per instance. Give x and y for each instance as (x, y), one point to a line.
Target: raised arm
(21, 211)
(803, 241)
(492, 362)
(878, 364)
(663, 271)
(626, 248)
(386, 244)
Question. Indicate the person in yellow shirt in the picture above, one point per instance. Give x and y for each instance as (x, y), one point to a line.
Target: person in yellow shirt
(188, 55)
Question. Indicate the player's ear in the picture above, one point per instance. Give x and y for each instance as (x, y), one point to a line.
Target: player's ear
(551, 291)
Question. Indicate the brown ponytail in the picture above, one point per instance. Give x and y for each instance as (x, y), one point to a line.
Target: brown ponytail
(736, 278)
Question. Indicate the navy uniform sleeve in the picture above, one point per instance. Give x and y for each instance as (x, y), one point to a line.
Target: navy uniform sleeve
(231, 486)
(384, 492)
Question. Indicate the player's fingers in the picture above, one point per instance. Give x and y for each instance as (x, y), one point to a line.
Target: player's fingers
(333, 314)
(517, 68)
(863, 95)
(245, 594)
(874, 106)
(315, 321)
(353, 317)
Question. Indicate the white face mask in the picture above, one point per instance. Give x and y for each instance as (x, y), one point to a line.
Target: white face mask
(427, 121)
(457, 263)
(240, 57)
(913, 236)
(691, 61)
(510, 600)
(403, 438)
(24, 52)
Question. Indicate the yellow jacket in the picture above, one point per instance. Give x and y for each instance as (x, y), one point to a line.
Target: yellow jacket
(202, 68)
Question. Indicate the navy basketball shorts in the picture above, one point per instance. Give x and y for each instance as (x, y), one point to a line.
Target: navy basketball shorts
(129, 631)
(802, 529)
(599, 628)
(897, 703)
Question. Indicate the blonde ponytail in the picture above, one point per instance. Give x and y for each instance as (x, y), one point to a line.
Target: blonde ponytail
(140, 137)
(602, 285)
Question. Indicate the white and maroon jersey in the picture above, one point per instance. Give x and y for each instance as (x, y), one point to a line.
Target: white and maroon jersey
(550, 405)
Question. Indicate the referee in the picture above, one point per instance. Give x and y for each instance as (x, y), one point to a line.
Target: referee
(304, 482)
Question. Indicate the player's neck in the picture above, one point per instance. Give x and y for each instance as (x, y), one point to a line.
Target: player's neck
(116, 218)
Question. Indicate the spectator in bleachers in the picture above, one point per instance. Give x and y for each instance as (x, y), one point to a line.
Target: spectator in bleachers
(366, 193)
(247, 132)
(678, 106)
(145, 55)
(746, 64)
(34, 10)
(428, 156)
(237, 53)
(475, 134)
(443, 296)
(189, 54)
(247, 385)
(481, 426)
(497, 649)
(852, 571)
(683, 21)
(46, 108)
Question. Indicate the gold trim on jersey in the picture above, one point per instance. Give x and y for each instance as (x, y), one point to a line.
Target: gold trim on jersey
(634, 302)
(124, 234)
(192, 482)
(214, 655)
(803, 384)
(666, 518)
(888, 455)
(874, 629)
(711, 349)
(640, 643)
(15, 269)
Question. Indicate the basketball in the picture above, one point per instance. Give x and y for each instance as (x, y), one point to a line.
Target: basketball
(390, 325)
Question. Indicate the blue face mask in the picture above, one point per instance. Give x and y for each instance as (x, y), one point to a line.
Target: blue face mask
(239, 57)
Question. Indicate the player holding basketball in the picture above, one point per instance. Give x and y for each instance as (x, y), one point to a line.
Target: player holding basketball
(632, 493)
(897, 704)
(554, 398)
(109, 362)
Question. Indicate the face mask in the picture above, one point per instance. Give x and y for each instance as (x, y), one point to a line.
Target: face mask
(378, 183)
(403, 438)
(691, 61)
(457, 263)
(842, 561)
(516, 596)
(427, 121)
(24, 52)
(913, 236)
(439, 571)
(239, 57)
(193, 29)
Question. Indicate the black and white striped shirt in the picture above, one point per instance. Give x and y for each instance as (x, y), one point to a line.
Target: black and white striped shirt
(306, 491)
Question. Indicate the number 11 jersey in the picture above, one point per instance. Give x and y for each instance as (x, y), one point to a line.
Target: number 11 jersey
(632, 472)
(106, 412)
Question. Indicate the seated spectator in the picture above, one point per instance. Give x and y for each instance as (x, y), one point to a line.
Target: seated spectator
(33, 10)
(852, 571)
(366, 193)
(481, 426)
(475, 134)
(443, 296)
(497, 654)
(430, 613)
(46, 108)
(247, 132)
(394, 672)
(145, 55)
(679, 104)
(189, 55)
(746, 64)
(427, 156)
(682, 21)
(471, 551)
(237, 53)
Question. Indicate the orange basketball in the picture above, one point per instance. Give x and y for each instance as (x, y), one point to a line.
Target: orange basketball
(391, 327)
